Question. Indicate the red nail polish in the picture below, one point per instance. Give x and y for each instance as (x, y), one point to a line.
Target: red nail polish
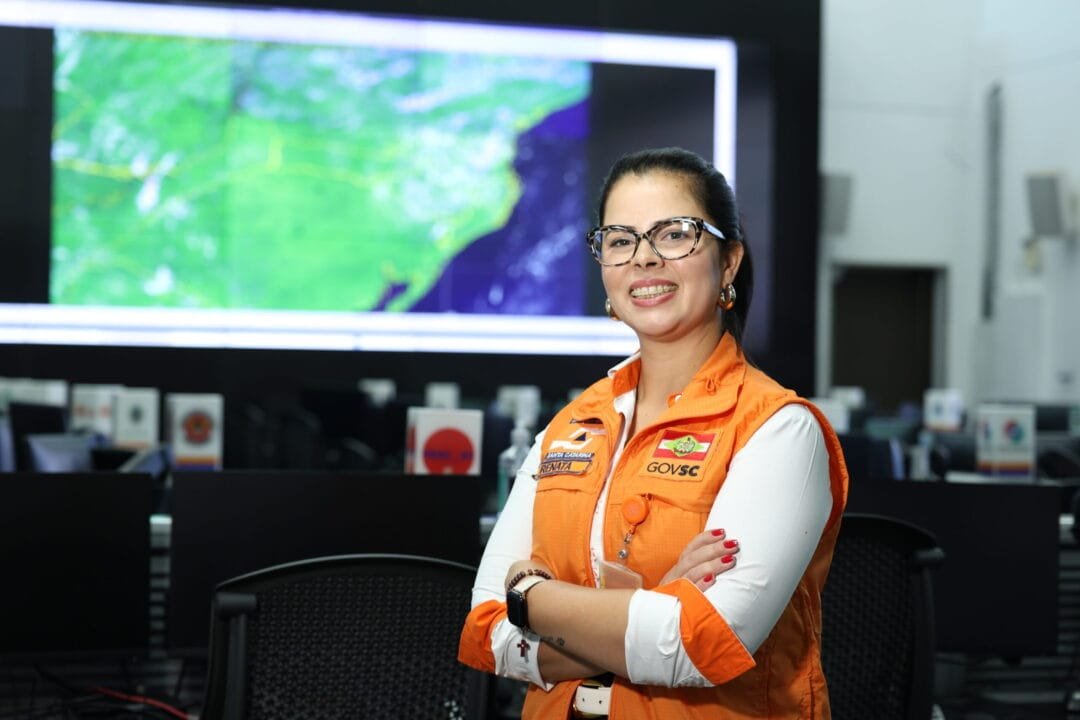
(727, 558)
(718, 533)
(730, 543)
(707, 578)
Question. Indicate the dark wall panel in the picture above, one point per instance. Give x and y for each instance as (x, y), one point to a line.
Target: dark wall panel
(25, 181)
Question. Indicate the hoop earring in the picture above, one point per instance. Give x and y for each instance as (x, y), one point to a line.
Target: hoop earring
(610, 310)
(727, 297)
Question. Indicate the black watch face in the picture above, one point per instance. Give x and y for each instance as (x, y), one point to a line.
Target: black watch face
(516, 609)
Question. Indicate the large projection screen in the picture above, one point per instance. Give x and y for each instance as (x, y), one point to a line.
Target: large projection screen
(281, 178)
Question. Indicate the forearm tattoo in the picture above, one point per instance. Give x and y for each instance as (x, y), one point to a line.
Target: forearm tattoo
(556, 641)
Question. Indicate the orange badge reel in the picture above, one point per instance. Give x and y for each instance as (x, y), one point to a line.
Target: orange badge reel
(616, 574)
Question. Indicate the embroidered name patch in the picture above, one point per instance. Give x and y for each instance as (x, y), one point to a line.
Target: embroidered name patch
(679, 445)
(564, 463)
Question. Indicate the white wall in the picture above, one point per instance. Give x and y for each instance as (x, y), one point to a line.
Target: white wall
(903, 112)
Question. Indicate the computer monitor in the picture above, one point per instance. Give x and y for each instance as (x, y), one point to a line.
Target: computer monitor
(75, 559)
(229, 523)
(1052, 418)
(996, 593)
(870, 458)
(60, 452)
(154, 461)
(7, 445)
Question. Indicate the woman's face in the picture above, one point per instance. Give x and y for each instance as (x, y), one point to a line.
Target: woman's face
(665, 300)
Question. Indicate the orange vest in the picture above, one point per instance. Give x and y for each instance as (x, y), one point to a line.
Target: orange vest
(721, 407)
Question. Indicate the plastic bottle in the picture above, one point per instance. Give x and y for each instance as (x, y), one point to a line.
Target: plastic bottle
(511, 460)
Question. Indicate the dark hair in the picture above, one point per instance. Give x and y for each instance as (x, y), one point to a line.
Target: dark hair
(712, 192)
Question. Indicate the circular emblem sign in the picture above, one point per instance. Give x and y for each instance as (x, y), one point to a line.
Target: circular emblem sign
(448, 452)
(197, 427)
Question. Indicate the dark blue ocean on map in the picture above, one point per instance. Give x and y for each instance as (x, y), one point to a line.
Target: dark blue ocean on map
(536, 264)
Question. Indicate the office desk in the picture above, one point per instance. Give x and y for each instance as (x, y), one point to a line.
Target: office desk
(996, 593)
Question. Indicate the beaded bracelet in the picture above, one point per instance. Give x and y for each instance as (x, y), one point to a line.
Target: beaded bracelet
(524, 574)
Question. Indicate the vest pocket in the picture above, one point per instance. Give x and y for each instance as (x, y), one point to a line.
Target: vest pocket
(579, 483)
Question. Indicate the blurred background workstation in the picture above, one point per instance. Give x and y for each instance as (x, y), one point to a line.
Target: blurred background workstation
(301, 279)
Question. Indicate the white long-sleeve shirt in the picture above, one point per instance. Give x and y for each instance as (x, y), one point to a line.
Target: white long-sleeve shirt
(775, 501)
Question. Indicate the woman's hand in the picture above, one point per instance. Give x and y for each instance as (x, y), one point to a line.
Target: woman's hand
(521, 566)
(704, 557)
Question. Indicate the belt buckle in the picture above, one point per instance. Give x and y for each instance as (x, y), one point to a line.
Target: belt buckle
(592, 699)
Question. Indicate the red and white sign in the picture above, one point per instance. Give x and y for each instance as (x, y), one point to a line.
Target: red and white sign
(443, 442)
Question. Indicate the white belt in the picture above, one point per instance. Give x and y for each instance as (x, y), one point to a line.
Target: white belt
(591, 701)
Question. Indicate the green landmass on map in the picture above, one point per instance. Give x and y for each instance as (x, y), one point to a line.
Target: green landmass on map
(230, 174)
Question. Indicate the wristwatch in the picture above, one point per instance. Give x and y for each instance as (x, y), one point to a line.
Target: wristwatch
(517, 609)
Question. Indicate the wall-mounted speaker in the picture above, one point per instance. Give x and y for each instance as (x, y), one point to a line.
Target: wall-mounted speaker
(1045, 196)
(836, 189)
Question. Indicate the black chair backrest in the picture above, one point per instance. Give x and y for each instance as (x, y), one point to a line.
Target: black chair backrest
(952, 451)
(357, 636)
(877, 620)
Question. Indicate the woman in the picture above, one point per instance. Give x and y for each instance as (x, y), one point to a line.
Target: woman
(616, 552)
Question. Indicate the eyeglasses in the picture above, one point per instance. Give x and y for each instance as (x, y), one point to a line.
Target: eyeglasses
(670, 239)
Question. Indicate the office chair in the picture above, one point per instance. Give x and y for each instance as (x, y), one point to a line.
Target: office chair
(350, 636)
(1059, 463)
(878, 620)
(952, 451)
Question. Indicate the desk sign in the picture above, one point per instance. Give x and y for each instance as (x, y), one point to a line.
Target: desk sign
(135, 417)
(943, 410)
(36, 392)
(194, 429)
(1005, 440)
(443, 442)
(92, 408)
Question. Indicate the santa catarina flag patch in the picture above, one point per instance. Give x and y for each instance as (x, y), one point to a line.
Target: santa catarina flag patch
(682, 445)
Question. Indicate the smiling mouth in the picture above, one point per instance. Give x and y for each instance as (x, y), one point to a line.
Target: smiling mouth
(651, 291)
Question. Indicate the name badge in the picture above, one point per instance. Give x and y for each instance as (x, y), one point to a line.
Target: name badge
(565, 463)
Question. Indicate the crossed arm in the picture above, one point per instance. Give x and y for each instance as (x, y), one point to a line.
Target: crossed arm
(576, 622)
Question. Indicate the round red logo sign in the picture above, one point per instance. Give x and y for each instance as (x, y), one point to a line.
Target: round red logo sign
(448, 452)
